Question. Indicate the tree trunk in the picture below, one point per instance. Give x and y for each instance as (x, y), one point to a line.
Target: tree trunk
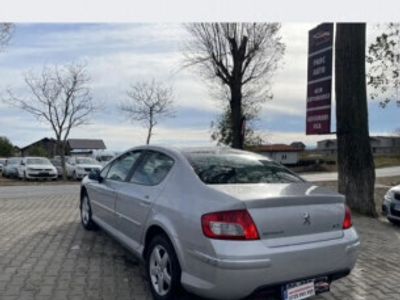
(355, 160)
(149, 135)
(61, 152)
(236, 115)
(151, 124)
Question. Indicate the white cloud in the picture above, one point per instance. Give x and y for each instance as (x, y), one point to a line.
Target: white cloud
(121, 137)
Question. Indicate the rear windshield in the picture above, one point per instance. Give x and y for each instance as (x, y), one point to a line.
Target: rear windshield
(86, 160)
(104, 157)
(37, 161)
(13, 161)
(228, 168)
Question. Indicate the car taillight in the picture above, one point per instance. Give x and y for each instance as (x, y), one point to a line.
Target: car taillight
(229, 225)
(347, 223)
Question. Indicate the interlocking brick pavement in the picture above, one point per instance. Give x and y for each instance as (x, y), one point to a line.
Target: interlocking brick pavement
(45, 254)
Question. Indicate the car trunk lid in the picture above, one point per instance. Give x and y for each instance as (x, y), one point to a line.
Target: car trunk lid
(289, 214)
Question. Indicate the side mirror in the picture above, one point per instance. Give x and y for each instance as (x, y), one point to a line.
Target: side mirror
(95, 175)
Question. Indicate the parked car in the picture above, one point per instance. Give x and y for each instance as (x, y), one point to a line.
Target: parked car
(2, 163)
(103, 159)
(79, 166)
(36, 168)
(221, 223)
(391, 205)
(10, 169)
(103, 156)
(57, 164)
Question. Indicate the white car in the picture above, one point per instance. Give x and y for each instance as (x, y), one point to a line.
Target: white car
(104, 156)
(80, 166)
(391, 205)
(36, 168)
(10, 168)
(2, 163)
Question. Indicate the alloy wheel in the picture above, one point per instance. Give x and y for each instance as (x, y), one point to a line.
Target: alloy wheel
(85, 210)
(160, 270)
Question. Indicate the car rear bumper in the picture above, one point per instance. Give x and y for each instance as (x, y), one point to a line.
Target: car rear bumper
(390, 211)
(39, 175)
(236, 274)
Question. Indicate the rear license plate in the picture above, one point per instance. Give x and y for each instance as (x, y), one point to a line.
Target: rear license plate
(299, 290)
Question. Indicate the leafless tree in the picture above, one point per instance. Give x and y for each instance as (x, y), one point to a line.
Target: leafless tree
(6, 30)
(59, 96)
(241, 59)
(148, 102)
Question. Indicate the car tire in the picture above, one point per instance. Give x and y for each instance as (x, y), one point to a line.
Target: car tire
(162, 264)
(74, 176)
(86, 213)
(394, 222)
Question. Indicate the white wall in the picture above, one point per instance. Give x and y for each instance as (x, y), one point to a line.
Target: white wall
(283, 157)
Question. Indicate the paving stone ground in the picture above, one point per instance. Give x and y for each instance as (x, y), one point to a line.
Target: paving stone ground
(45, 254)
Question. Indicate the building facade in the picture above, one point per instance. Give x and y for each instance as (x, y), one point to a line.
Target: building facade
(380, 145)
(281, 153)
(48, 147)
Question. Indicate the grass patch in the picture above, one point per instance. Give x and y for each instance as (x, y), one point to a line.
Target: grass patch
(386, 161)
(311, 162)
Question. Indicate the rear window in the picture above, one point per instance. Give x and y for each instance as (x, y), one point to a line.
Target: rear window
(37, 161)
(13, 161)
(231, 168)
(86, 160)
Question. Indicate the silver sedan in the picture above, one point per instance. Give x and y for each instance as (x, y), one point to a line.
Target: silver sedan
(221, 223)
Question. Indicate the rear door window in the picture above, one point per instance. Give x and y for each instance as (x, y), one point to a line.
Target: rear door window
(153, 169)
(120, 168)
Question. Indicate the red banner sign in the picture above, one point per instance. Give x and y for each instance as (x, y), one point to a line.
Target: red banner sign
(319, 79)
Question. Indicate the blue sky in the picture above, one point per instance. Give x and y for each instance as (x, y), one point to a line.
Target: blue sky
(119, 54)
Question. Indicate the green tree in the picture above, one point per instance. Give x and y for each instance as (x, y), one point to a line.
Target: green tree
(355, 161)
(38, 150)
(221, 131)
(6, 148)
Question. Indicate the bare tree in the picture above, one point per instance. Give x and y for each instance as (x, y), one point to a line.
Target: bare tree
(60, 97)
(6, 30)
(148, 102)
(242, 57)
